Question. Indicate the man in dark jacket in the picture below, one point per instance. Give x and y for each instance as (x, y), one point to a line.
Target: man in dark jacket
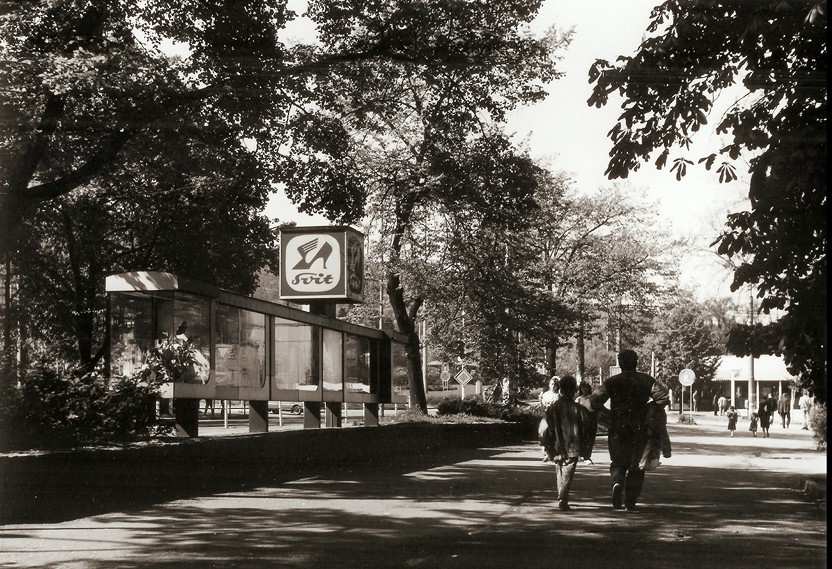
(629, 393)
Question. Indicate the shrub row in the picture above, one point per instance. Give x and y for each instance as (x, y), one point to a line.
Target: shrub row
(52, 409)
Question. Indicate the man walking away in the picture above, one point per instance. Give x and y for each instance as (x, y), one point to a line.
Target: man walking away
(714, 403)
(629, 393)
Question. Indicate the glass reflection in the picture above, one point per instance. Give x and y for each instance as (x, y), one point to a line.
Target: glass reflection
(357, 364)
(293, 355)
(240, 354)
(332, 364)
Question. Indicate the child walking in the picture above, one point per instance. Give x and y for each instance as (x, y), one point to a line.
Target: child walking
(567, 438)
(732, 420)
(752, 426)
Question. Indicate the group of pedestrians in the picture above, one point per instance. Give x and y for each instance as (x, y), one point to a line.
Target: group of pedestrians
(637, 430)
(763, 417)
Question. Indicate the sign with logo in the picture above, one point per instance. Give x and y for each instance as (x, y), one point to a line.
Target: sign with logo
(321, 263)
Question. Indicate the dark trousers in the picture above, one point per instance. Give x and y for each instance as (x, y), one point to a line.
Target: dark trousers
(626, 447)
(632, 478)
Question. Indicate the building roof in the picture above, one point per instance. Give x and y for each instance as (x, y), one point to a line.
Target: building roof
(766, 368)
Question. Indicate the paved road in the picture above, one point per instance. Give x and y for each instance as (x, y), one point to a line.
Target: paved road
(718, 502)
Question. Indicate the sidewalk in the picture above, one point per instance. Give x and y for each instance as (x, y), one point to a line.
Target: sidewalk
(719, 501)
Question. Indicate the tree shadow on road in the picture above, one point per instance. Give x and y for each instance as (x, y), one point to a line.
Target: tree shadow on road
(493, 508)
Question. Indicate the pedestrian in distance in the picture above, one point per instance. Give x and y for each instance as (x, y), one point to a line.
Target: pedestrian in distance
(723, 404)
(771, 406)
(628, 393)
(805, 403)
(764, 416)
(752, 424)
(695, 398)
(584, 399)
(547, 399)
(567, 439)
(784, 409)
(732, 420)
(551, 395)
(714, 403)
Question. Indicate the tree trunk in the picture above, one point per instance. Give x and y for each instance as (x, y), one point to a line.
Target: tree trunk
(406, 315)
(579, 346)
(7, 373)
(407, 325)
(552, 356)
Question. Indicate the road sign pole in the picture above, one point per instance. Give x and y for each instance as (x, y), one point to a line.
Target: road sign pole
(690, 405)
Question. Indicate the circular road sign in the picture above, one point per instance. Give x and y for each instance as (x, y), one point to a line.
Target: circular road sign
(687, 377)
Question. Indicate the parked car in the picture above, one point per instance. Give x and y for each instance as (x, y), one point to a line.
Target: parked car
(290, 407)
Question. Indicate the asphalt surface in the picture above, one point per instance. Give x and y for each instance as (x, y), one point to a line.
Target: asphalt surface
(718, 502)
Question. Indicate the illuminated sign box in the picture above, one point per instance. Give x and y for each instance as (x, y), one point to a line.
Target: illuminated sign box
(321, 263)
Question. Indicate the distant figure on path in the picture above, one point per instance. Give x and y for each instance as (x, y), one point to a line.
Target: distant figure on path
(714, 403)
(752, 425)
(765, 417)
(805, 403)
(732, 421)
(695, 398)
(771, 407)
(784, 409)
(723, 404)
(547, 399)
(551, 395)
(584, 399)
(567, 439)
(629, 393)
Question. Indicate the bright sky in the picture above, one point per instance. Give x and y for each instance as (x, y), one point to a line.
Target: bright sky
(571, 136)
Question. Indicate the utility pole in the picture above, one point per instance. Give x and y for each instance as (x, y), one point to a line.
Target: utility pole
(381, 321)
(751, 376)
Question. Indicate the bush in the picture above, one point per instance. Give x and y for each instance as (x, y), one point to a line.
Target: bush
(817, 422)
(54, 410)
(467, 406)
(413, 416)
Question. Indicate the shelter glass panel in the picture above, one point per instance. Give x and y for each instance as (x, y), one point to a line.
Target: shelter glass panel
(240, 350)
(191, 317)
(333, 360)
(357, 358)
(132, 332)
(293, 355)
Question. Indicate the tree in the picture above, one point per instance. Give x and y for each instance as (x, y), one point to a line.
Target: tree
(602, 258)
(425, 136)
(90, 84)
(775, 52)
(685, 338)
(193, 213)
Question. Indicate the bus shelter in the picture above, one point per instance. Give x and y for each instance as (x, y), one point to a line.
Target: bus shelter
(251, 350)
